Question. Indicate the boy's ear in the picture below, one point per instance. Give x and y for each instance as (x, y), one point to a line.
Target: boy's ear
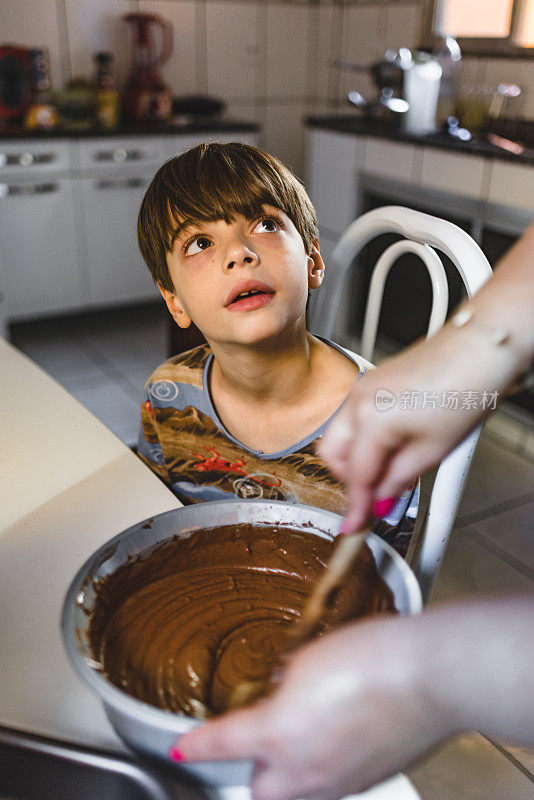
(315, 266)
(175, 307)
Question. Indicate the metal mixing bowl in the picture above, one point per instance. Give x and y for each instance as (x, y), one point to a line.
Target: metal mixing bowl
(149, 730)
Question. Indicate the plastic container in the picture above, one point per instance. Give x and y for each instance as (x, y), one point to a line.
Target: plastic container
(421, 90)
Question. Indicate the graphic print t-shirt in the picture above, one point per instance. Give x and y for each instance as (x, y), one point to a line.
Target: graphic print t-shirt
(184, 442)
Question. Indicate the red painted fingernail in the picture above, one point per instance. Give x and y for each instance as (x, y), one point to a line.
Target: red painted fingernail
(382, 507)
(176, 755)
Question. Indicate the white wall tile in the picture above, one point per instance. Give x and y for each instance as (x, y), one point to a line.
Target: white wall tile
(33, 23)
(361, 82)
(98, 26)
(328, 48)
(403, 27)
(453, 172)
(287, 38)
(363, 40)
(502, 70)
(512, 71)
(284, 134)
(363, 43)
(180, 71)
(233, 49)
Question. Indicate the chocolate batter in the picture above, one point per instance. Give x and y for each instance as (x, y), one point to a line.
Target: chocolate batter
(181, 627)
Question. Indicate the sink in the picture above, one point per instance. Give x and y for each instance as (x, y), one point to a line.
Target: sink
(37, 768)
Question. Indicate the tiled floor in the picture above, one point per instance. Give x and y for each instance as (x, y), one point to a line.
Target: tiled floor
(104, 361)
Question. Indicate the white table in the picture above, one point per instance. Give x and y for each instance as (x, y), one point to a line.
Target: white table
(68, 485)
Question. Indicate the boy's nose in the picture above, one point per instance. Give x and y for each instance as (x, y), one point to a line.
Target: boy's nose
(241, 254)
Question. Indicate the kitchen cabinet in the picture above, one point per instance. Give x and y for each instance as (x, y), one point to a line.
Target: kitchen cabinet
(334, 178)
(488, 192)
(68, 219)
(115, 270)
(115, 174)
(390, 159)
(512, 185)
(39, 268)
(491, 198)
(459, 174)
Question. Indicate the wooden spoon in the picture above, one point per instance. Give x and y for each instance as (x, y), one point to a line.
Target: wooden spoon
(317, 604)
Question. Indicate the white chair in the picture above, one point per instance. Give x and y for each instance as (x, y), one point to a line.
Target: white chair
(421, 233)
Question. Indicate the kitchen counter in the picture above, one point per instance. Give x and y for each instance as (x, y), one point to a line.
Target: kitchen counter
(359, 126)
(180, 125)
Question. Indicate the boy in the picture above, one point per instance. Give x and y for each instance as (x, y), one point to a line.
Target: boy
(230, 237)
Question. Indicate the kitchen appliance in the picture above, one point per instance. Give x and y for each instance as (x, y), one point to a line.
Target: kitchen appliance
(146, 97)
(15, 82)
(152, 731)
(388, 77)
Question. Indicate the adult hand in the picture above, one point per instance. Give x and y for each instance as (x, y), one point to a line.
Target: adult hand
(350, 711)
(378, 453)
(364, 702)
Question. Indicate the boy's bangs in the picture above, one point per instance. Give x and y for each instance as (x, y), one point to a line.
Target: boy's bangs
(213, 182)
(219, 195)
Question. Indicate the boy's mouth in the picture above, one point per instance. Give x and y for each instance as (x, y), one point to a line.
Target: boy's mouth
(249, 295)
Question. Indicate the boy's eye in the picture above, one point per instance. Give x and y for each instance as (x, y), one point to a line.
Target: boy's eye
(196, 245)
(267, 225)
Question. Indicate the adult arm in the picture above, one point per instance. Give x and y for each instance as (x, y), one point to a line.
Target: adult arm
(369, 699)
(378, 453)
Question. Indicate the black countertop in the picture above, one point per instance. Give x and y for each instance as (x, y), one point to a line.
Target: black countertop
(360, 126)
(185, 125)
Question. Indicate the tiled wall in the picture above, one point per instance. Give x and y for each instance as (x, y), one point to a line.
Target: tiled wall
(268, 59)
(259, 56)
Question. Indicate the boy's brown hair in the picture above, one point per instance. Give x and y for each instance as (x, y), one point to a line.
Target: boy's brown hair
(215, 181)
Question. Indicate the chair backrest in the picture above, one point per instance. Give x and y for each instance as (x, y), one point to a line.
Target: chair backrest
(422, 233)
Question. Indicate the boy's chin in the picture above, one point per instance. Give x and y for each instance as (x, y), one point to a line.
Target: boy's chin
(259, 335)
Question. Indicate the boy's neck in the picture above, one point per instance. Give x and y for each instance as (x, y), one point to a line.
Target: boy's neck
(265, 372)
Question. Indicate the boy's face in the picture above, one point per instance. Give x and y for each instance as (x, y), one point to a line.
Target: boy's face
(244, 282)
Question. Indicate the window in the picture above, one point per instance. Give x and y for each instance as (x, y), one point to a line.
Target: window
(484, 26)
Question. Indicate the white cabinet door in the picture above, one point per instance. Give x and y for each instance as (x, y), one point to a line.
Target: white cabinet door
(457, 173)
(337, 160)
(116, 271)
(40, 268)
(392, 160)
(512, 185)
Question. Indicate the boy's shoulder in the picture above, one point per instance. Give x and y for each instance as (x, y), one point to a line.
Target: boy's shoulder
(186, 367)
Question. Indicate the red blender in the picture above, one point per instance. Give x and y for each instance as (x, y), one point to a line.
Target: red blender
(146, 97)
